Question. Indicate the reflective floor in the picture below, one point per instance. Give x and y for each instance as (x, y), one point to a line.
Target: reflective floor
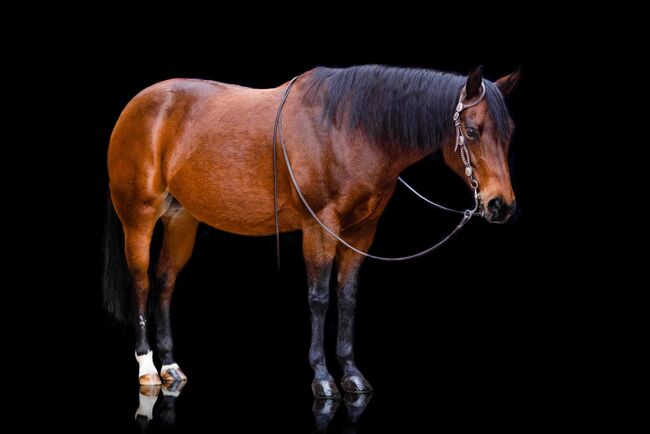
(157, 410)
(187, 407)
(237, 394)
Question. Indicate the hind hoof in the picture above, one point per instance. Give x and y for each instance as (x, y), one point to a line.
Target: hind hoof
(173, 389)
(172, 373)
(150, 380)
(325, 389)
(356, 384)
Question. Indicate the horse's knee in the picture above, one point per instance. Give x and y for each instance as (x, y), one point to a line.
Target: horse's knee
(318, 299)
(347, 297)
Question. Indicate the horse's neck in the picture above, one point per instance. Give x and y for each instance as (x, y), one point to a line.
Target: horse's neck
(406, 159)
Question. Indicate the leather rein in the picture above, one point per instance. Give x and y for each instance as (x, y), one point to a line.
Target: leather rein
(461, 147)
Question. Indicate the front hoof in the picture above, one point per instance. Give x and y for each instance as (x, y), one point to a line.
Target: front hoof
(172, 373)
(356, 384)
(150, 380)
(325, 389)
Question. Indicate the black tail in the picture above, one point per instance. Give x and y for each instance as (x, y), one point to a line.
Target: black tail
(116, 278)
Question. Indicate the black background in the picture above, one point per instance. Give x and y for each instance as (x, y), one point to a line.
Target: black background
(486, 330)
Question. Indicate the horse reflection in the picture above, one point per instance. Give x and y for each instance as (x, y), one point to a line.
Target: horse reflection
(154, 413)
(325, 409)
(162, 413)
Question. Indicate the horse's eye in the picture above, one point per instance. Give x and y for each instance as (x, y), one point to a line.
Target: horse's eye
(472, 133)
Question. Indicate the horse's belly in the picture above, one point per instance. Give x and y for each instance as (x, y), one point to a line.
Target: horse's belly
(231, 203)
(242, 218)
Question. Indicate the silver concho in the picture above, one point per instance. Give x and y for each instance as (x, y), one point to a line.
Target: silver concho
(468, 171)
(459, 107)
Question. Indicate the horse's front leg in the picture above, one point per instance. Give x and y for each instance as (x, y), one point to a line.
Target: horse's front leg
(319, 250)
(348, 264)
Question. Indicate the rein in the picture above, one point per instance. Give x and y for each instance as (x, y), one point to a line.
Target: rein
(461, 146)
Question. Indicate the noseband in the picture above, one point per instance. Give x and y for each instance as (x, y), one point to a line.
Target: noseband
(461, 146)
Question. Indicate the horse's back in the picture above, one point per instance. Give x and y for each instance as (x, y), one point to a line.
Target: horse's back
(207, 143)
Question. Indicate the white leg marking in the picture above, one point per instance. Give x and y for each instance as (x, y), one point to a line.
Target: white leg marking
(146, 364)
(146, 406)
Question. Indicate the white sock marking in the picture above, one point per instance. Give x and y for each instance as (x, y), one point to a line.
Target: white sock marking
(146, 406)
(146, 364)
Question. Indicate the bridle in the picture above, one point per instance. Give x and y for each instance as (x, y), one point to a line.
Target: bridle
(461, 144)
(461, 147)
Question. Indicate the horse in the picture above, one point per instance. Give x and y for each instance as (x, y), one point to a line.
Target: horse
(185, 151)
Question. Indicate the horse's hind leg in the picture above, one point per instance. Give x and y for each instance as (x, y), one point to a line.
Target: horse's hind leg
(178, 242)
(138, 222)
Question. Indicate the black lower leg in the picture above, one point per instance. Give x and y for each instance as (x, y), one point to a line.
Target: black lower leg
(323, 385)
(353, 381)
(164, 333)
(318, 304)
(347, 300)
(141, 292)
(164, 341)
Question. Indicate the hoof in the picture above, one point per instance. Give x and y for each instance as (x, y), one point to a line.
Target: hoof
(172, 373)
(324, 411)
(150, 380)
(325, 389)
(325, 407)
(356, 384)
(150, 390)
(173, 388)
(147, 399)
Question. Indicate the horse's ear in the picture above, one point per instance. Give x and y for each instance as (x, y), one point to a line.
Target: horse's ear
(508, 83)
(474, 81)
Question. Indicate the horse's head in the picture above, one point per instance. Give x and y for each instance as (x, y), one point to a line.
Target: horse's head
(487, 128)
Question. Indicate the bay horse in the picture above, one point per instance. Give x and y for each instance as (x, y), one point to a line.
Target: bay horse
(186, 151)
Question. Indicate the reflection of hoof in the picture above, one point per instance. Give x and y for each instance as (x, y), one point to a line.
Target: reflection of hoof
(147, 399)
(325, 389)
(357, 400)
(356, 404)
(356, 384)
(324, 411)
(174, 388)
(149, 390)
(150, 380)
(172, 373)
(325, 407)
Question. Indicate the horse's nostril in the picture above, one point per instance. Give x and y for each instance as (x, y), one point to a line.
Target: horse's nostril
(494, 205)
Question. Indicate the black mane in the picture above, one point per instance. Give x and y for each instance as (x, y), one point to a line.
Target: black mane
(398, 108)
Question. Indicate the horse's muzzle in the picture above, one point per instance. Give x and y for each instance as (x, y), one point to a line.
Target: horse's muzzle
(498, 210)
